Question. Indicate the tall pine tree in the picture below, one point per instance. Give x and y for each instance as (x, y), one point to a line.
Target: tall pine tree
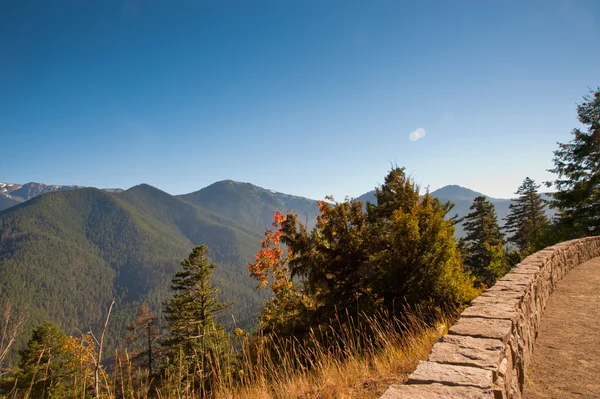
(526, 221)
(196, 341)
(483, 246)
(577, 166)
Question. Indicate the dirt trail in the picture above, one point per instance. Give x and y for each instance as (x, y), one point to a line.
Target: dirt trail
(566, 360)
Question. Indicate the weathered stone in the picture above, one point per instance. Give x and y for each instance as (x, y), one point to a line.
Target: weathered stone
(470, 342)
(526, 269)
(482, 328)
(507, 297)
(436, 391)
(526, 278)
(492, 310)
(447, 374)
(506, 291)
(468, 351)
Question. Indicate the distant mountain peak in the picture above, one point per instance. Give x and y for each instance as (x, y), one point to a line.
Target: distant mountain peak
(229, 181)
(244, 186)
(145, 189)
(142, 186)
(455, 191)
(250, 205)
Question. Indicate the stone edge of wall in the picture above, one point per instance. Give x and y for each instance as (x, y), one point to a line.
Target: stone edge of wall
(487, 351)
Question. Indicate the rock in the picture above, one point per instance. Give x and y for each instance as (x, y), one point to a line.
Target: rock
(479, 327)
(468, 351)
(447, 374)
(436, 391)
(492, 310)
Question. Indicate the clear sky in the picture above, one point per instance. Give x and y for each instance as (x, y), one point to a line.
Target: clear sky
(304, 97)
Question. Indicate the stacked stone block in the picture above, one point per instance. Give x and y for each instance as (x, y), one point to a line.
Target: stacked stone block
(486, 353)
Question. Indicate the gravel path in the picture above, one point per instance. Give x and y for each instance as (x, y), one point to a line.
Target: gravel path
(566, 360)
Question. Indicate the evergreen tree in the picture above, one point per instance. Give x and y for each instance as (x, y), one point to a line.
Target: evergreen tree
(526, 221)
(195, 338)
(143, 335)
(333, 260)
(401, 251)
(577, 166)
(483, 242)
(415, 257)
(54, 365)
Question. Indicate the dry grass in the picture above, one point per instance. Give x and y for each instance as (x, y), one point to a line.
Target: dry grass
(352, 360)
(355, 367)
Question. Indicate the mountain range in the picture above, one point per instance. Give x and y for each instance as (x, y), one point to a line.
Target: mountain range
(65, 254)
(66, 251)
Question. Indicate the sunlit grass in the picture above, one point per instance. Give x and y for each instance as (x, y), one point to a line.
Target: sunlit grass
(346, 359)
(354, 365)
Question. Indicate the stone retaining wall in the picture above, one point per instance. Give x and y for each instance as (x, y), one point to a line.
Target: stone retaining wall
(486, 353)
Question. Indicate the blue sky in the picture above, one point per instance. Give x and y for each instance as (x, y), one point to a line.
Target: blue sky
(304, 97)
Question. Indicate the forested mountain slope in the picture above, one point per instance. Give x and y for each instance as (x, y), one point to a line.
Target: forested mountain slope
(65, 255)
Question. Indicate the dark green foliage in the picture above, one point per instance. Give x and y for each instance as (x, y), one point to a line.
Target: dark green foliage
(400, 252)
(47, 265)
(191, 311)
(577, 166)
(527, 221)
(195, 338)
(483, 246)
(333, 259)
